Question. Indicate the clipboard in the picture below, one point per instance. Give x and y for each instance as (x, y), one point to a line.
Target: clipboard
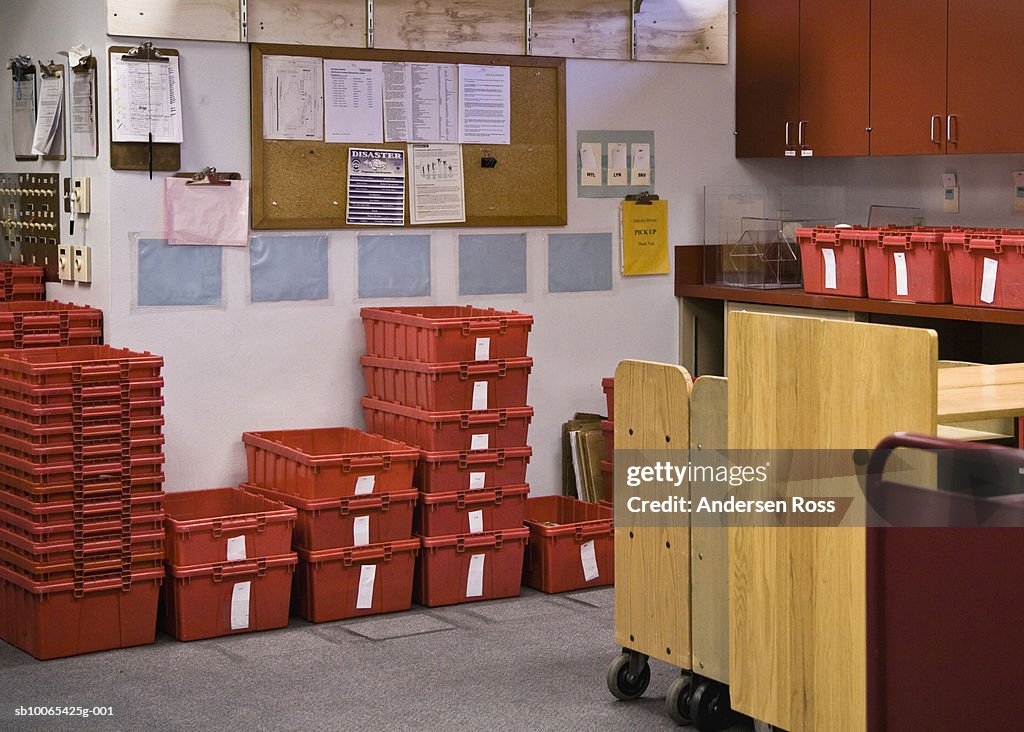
(166, 156)
(84, 66)
(48, 71)
(25, 74)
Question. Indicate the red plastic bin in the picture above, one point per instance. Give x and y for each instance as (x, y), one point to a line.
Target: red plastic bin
(441, 431)
(447, 472)
(1001, 256)
(112, 525)
(225, 525)
(26, 395)
(825, 252)
(61, 416)
(470, 567)
(331, 523)
(440, 387)
(490, 509)
(93, 430)
(608, 432)
(441, 333)
(213, 600)
(21, 282)
(89, 490)
(62, 553)
(331, 462)
(82, 449)
(86, 511)
(608, 385)
(572, 544)
(345, 583)
(49, 323)
(78, 365)
(58, 619)
(607, 468)
(905, 265)
(98, 469)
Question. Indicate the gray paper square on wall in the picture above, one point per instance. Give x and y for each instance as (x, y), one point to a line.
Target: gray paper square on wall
(579, 262)
(287, 268)
(492, 264)
(394, 265)
(178, 275)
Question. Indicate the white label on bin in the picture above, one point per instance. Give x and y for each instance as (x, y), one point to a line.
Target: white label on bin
(367, 577)
(361, 531)
(829, 255)
(364, 484)
(476, 480)
(476, 522)
(479, 395)
(479, 442)
(483, 349)
(240, 605)
(988, 280)
(900, 260)
(475, 581)
(589, 559)
(236, 548)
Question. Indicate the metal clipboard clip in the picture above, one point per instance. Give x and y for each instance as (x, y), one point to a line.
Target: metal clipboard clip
(50, 70)
(209, 176)
(642, 199)
(145, 52)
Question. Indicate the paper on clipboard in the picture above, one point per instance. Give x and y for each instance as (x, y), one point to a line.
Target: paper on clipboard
(206, 214)
(48, 137)
(145, 98)
(23, 105)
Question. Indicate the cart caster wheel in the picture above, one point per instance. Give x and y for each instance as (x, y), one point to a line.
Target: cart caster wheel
(710, 708)
(624, 685)
(677, 700)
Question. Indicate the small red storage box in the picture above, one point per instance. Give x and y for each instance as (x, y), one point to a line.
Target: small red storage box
(439, 387)
(608, 476)
(110, 526)
(211, 600)
(832, 261)
(490, 509)
(90, 413)
(608, 385)
(21, 282)
(439, 431)
(1000, 256)
(100, 469)
(445, 333)
(448, 472)
(49, 323)
(345, 583)
(225, 525)
(58, 619)
(907, 265)
(79, 365)
(470, 567)
(56, 513)
(572, 544)
(335, 523)
(92, 489)
(61, 553)
(328, 463)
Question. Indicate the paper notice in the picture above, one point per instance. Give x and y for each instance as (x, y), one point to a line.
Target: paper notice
(483, 349)
(144, 99)
(829, 255)
(236, 548)
(353, 101)
(590, 164)
(437, 193)
(476, 522)
(420, 102)
(641, 168)
(475, 580)
(485, 110)
(988, 280)
(588, 557)
(617, 170)
(367, 578)
(900, 261)
(361, 531)
(376, 187)
(479, 442)
(48, 138)
(240, 605)
(479, 395)
(364, 484)
(83, 114)
(293, 98)
(23, 113)
(476, 480)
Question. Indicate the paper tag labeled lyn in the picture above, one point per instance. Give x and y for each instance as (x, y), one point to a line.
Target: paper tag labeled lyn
(361, 531)
(483, 349)
(588, 557)
(364, 484)
(829, 255)
(476, 480)
(475, 580)
(367, 577)
(900, 260)
(479, 395)
(988, 280)
(479, 442)
(240, 605)
(476, 522)
(236, 548)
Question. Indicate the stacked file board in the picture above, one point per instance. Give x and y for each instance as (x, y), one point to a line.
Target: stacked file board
(608, 429)
(452, 380)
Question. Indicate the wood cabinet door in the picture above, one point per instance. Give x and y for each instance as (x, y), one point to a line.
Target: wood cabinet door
(908, 77)
(767, 76)
(986, 76)
(834, 76)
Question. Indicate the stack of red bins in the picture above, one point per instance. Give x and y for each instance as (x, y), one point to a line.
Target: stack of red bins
(20, 282)
(81, 505)
(354, 496)
(229, 563)
(452, 380)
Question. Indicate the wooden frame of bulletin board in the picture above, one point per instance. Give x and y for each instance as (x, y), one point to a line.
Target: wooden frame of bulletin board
(301, 185)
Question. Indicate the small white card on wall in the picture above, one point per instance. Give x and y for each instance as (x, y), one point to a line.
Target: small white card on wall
(617, 167)
(590, 164)
(640, 174)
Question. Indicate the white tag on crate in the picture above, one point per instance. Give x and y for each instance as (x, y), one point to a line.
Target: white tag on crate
(829, 255)
(240, 605)
(475, 580)
(589, 559)
(236, 548)
(479, 442)
(988, 280)
(364, 484)
(367, 578)
(483, 349)
(900, 260)
(476, 480)
(361, 531)
(479, 395)
(476, 522)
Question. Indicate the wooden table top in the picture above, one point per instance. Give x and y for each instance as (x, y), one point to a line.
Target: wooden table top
(981, 392)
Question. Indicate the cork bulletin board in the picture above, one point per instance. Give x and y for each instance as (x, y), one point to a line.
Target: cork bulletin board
(302, 185)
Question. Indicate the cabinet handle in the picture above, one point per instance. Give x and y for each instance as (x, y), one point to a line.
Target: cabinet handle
(935, 118)
(949, 129)
(788, 124)
(800, 132)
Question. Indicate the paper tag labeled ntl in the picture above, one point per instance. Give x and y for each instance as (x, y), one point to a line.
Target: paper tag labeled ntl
(476, 522)
(361, 531)
(988, 280)
(479, 395)
(240, 605)
(900, 260)
(475, 580)
(483, 349)
(829, 255)
(367, 577)
(364, 484)
(588, 557)
(479, 442)
(236, 548)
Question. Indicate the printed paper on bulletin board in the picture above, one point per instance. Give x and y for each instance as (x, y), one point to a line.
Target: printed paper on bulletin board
(645, 238)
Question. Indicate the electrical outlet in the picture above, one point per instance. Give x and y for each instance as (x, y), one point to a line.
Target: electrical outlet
(65, 263)
(83, 264)
(81, 200)
(951, 200)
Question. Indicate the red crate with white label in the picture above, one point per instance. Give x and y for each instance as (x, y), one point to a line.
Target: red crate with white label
(832, 261)
(471, 512)
(450, 386)
(453, 430)
(572, 544)
(470, 567)
(446, 472)
(986, 269)
(905, 265)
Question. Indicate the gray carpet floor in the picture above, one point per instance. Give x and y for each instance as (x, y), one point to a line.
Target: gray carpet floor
(536, 662)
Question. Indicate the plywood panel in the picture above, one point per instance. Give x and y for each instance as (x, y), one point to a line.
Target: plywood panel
(581, 29)
(709, 544)
(200, 20)
(796, 595)
(683, 30)
(309, 22)
(652, 579)
(463, 26)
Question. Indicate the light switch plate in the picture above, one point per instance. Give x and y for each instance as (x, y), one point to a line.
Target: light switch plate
(83, 264)
(65, 263)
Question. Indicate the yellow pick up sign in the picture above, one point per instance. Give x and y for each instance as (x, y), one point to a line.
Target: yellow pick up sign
(644, 238)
